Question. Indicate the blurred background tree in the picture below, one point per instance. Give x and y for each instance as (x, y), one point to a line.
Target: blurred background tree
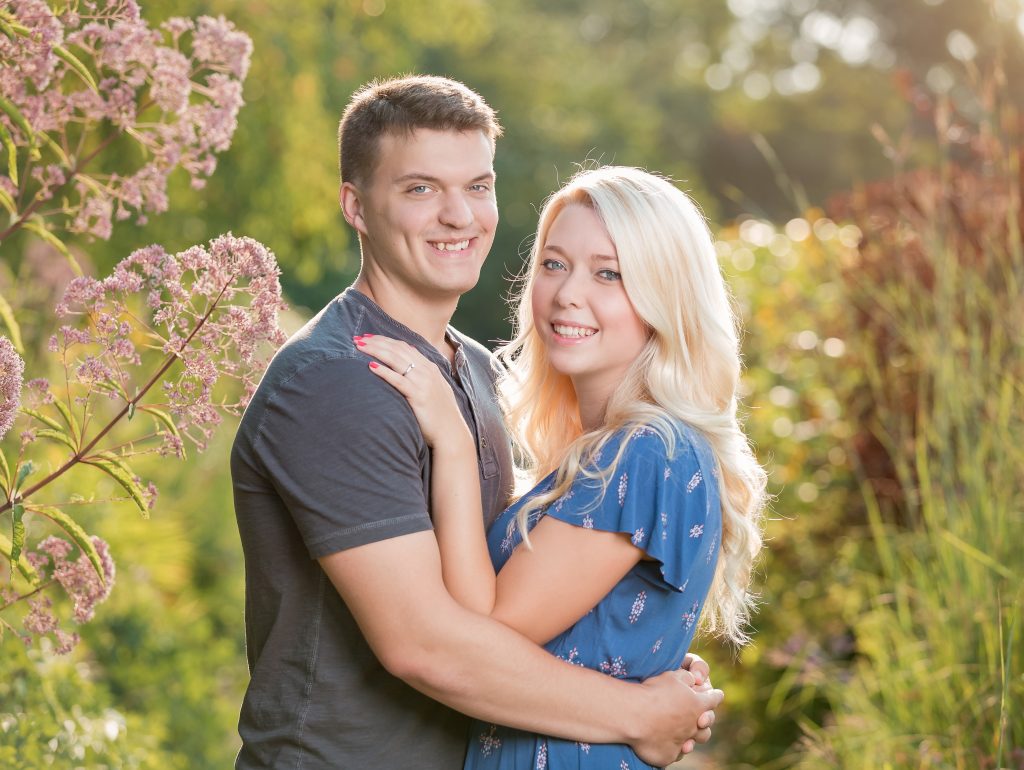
(767, 111)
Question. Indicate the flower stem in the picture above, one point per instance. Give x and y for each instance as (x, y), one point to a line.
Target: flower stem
(84, 451)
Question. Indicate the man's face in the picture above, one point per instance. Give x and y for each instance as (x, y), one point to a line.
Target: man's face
(428, 213)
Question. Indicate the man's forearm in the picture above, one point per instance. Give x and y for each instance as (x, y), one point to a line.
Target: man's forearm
(486, 670)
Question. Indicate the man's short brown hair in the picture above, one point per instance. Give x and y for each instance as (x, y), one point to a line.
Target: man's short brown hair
(400, 106)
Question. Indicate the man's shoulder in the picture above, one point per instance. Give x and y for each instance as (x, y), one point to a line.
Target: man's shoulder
(324, 342)
(476, 352)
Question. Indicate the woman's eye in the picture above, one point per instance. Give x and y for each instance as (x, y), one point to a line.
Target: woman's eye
(610, 275)
(552, 264)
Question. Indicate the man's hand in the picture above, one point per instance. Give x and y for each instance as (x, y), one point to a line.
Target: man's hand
(681, 712)
(697, 666)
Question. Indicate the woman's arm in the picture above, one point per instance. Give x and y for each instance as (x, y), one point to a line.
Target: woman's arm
(540, 592)
(454, 474)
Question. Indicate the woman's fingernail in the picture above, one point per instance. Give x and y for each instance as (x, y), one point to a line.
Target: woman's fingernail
(365, 335)
(374, 364)
(361, 343)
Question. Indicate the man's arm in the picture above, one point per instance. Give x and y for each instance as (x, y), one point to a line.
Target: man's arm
(478, 666)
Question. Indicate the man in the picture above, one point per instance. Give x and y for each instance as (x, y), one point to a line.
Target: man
(353, 642)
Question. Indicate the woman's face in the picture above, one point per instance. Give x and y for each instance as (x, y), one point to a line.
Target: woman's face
(580, 308)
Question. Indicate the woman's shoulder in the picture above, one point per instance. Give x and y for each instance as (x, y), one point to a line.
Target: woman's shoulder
(667, 439)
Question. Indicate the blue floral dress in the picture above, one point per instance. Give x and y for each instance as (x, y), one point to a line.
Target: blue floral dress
(670, 507)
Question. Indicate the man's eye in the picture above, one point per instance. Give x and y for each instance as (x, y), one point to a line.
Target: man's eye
(419, 189)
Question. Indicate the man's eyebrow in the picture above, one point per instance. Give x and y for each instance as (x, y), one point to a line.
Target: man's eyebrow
(420, 177)
(559, 250)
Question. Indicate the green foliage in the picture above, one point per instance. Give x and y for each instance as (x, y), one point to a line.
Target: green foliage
(162, 665)
(53, 714)
(796, 382)
(935, 297)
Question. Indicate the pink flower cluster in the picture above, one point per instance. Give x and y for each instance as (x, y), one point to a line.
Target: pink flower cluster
(179, 102)
(211, 309)
(12, 368)
(78, 578)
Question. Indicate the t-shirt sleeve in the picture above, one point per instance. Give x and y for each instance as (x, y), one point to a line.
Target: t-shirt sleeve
(668, 505)
(346, 455)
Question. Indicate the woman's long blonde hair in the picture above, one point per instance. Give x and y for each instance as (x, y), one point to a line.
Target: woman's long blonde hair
(688, 371)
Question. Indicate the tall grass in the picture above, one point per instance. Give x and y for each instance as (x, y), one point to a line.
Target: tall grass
(937, 299)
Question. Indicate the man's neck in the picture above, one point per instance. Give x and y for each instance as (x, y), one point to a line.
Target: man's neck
(428, 318)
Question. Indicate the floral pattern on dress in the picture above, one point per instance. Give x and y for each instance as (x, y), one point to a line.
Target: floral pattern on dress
(712, 549)
(615, 667)
(489, 741)
(638, 607)
(572, 657)
(689, 618)
(560, 502)
(694, 482)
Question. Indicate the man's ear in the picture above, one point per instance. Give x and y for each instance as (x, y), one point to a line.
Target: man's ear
(352, 206)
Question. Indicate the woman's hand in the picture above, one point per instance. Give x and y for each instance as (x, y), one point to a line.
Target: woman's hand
(421, 382)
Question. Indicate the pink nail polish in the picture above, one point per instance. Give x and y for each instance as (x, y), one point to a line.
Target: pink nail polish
(374, 364)
(365, 335)
(361, 343)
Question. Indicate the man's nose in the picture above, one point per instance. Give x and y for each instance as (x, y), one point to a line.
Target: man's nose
(456, 212)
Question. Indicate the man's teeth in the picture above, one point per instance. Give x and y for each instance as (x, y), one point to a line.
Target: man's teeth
(459, 246)
(573, 331)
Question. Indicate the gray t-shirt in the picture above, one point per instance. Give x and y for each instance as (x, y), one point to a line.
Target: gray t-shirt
(329, 457)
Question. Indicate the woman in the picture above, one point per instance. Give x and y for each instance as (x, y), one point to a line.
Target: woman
(620, 393)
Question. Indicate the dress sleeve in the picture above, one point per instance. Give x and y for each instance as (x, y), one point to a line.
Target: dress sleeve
(667, 504)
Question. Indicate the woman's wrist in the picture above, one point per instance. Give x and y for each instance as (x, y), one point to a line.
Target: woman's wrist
(455, 445)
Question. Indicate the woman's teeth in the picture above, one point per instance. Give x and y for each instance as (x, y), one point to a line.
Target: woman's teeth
(573, 331)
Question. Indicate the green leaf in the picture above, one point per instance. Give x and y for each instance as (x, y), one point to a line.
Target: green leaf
(57, 149)
(19, 120)
(114, 467)
(165, 419)
(131, 410)
(58, 435)
(18, 534)
(37, 226)
(7, 316)
(8, 202)
(12, 153)
(69, 418)
(5, 470)
(42, 418)
(10, 26)
(23, 473)
(75, 532)
(21, 563)
(75, 63)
